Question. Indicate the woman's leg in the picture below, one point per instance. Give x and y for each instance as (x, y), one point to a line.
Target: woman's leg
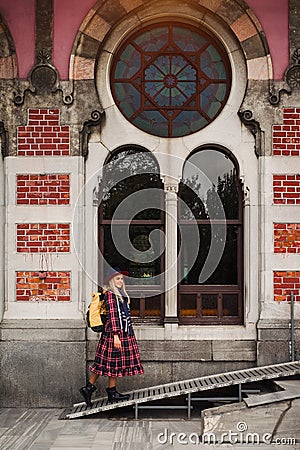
(111, 382)
(86, 391)
(93, 378)
(113, 394)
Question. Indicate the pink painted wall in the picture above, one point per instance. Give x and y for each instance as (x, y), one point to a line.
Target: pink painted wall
(20, 18)
(274, 18)
(69, 14)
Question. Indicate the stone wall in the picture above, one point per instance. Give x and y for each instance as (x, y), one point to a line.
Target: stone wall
(42, 362)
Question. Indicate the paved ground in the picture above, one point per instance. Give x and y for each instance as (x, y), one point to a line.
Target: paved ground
(41, 429)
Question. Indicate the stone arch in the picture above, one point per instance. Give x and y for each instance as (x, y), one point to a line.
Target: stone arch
(8, 57)
(236, 15)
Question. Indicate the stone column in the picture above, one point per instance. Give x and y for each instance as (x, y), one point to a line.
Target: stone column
(171, 201)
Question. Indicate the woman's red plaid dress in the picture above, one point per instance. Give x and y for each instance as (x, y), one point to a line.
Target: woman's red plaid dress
(109, 361)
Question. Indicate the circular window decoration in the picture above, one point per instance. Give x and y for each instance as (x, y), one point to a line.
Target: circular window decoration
(171, 80)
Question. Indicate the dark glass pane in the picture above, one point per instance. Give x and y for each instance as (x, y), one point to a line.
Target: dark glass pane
(191, 205)
(226, 270)
(125, 175)
(209, 304)
(153, 39)
(211, 98)
(153, 306)
(187, 40)
(133, 251)
(171, 79)
(153, 121)
(134, 307)
(123, 70)
(230, 305)
(188, 305)
(211, 176)
(188, 122)
(212, 64)
(125, 90)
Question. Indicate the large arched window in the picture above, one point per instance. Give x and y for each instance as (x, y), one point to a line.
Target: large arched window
(211, 235)
(131, 227)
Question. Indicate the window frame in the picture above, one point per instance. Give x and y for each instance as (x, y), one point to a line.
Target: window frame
(216, 289)
(135, 291)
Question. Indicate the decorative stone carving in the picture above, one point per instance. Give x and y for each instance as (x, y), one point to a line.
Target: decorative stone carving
(96, 118)
(43, 79)
(246, 192)
(292, 78)
(97, 193)
(171, 188)
(254, 126)
(292, 75)
(170, 184)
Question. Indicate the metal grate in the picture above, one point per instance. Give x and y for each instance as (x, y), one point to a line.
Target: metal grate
(187, 387)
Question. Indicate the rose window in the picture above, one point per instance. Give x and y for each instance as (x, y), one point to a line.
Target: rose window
(171, 80)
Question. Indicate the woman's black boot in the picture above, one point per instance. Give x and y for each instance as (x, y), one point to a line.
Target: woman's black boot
(86, 392)
(115, 396)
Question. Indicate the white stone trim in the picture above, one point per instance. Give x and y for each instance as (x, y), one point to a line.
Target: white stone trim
(274, 213)
(40, 214)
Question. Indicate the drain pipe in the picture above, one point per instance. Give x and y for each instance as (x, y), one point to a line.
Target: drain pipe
(292, 327)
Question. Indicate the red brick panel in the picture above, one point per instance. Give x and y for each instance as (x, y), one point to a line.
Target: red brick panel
(43, 237)
(46, 189)
(34, 287)
(43, 136)
(286, 189)
(287, 237)
(286, 137)
(285, 283)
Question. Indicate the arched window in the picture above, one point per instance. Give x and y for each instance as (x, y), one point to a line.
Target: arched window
(131, 227)
(211, 235)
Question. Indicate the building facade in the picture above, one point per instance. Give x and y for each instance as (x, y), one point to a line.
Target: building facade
(162, 137)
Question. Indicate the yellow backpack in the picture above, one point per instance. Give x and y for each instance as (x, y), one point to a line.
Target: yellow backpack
(96, 312)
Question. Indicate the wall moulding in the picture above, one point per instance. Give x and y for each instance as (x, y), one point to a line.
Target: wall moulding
(44, 80)
(292, 80)
(253, 126)
(96, 120)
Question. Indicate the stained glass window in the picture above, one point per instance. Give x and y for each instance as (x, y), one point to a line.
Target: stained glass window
(171, 80)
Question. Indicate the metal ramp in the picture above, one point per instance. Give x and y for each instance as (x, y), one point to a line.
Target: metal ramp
(184, 387)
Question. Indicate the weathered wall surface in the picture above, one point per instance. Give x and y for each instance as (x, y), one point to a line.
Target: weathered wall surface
(53, 142)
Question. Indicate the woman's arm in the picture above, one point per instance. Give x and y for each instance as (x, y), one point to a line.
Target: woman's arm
(112, 312)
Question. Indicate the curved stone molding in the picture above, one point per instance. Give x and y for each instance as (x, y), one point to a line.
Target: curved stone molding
(275, 98)
(96, 119)
(235, 13)
(292, 78)
(43, 79)
(254, 126)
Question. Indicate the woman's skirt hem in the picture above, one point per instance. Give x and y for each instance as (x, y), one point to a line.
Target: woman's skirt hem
(117, 374)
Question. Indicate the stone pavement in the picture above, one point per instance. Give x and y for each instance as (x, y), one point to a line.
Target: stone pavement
(41, 429)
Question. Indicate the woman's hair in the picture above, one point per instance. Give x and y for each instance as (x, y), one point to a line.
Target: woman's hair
(113, 288)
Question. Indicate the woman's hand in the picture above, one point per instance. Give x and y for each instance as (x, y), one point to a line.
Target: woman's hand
(117, 342)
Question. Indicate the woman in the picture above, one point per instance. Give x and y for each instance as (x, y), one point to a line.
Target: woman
(117, 353)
